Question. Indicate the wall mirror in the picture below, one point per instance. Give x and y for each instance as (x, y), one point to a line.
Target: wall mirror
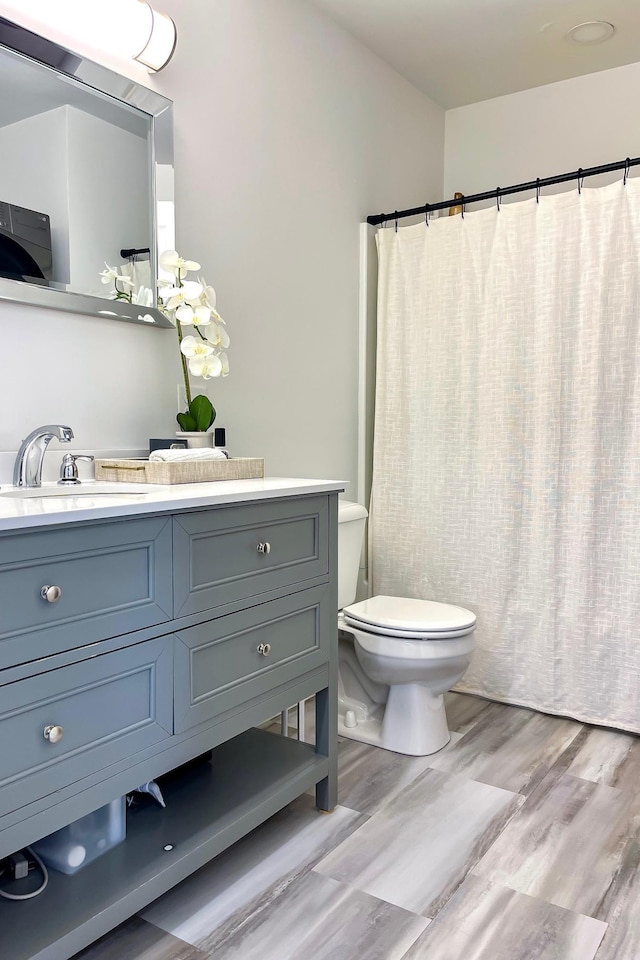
(86, 180)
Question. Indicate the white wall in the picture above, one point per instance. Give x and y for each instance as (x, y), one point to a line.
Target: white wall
(288, 133)
(291, 133)
(545, 131)
(103, 378)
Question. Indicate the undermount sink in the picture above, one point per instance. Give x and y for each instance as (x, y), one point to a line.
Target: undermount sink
(85, 489)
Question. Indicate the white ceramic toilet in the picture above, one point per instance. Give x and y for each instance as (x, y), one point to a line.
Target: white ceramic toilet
(397, 656)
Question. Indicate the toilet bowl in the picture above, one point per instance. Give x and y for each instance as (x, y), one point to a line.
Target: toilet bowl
(397, 657)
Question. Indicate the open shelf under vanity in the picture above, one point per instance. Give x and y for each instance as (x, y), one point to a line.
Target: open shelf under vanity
(209, 807)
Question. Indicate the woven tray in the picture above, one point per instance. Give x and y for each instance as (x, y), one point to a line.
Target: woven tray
(195, 471)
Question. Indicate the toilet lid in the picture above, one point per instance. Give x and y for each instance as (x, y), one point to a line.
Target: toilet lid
(408, 616)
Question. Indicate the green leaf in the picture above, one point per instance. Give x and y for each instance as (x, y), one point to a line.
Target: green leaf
(202, 412)
(186, 422)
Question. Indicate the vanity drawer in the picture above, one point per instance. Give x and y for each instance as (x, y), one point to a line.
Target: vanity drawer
(109, 707)
(113, 577)
(226, 662)
(233, 553)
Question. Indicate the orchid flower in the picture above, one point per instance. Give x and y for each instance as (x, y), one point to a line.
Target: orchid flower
(175, 264)
(111, 275)
(205, 367)
(217, 335)
(208, 297)
(192, 347)
(198, 316)
(175, 297)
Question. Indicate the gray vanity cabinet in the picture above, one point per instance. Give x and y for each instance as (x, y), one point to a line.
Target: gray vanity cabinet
(166, 637)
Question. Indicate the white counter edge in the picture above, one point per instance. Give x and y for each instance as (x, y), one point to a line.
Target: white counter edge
(29, 514)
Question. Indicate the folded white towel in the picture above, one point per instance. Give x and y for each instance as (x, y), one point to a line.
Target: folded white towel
(198, 453)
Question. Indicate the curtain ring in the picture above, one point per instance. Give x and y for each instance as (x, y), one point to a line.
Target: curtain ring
(426, 214)
(580, 181)
(538, 190)
(498, 197)
(462, 205)
(396, 215)
(627, 164)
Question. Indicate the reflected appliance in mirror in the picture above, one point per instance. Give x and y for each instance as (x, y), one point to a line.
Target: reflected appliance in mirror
(86, 180)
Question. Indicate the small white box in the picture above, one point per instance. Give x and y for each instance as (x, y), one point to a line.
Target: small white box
(75, 846)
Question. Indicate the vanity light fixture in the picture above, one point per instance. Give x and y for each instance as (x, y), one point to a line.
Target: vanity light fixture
(591, 32)
(161, 39)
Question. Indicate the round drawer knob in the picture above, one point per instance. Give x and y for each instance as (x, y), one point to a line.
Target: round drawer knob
(53, 733)
(264, 548)
(51, 594)
(264, 649)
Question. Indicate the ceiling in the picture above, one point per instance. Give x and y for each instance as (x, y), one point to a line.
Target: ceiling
(464, 51)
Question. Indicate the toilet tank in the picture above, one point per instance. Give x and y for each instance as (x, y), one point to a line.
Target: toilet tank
(351, 520)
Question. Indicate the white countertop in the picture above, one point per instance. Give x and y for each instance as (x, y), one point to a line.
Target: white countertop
(22, 514)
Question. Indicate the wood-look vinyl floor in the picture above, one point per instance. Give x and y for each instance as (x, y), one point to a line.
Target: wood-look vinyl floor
(519, 841)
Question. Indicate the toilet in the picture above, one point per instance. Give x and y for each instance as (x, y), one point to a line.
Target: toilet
(397, 656)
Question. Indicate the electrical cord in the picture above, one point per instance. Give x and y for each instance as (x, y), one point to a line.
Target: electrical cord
(45, 880)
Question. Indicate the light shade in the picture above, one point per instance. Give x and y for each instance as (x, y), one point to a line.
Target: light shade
(593, 31)
(160, 42)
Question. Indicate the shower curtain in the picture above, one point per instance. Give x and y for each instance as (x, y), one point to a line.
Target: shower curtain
(506, 473)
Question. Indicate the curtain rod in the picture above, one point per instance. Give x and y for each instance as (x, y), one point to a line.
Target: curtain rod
(499, 192)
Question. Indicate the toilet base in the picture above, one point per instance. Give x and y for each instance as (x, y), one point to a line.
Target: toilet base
(412, 722)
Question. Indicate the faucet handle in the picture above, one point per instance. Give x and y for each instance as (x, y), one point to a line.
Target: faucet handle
(69, 467)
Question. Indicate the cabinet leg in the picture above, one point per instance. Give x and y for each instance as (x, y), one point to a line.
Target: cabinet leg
(284, 723)
(327, 744)
(301, 724)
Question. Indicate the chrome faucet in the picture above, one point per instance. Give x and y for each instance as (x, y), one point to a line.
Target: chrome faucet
(27, 471)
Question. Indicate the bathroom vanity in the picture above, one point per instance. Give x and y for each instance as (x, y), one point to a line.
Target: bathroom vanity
(137, 632)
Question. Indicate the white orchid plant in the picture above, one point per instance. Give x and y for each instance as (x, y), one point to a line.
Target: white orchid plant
(187, 303)
(192, 303)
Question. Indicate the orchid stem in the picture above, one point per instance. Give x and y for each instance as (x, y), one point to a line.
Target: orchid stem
(185, 369)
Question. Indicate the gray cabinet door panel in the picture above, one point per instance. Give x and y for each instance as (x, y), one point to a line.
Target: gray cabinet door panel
(114, 577)
(218, 665)
(216, 555)
(109, 707)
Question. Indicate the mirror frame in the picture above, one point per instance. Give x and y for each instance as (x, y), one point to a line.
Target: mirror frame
(106, 83)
